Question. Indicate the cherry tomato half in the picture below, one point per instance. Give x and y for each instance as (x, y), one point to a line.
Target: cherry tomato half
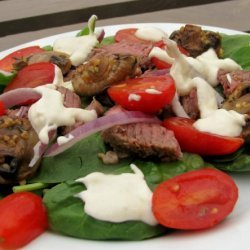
(194, 200)
(128, 35)
(146, 94)
(23, 217)
(203, 143)
(6, 63)
(159, 64)
(32, 76)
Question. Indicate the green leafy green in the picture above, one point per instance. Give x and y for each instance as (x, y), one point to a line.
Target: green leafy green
(237, 47)
(66, 212)
(48, 48)
(67, 216)
(242, 57)
(107, 40)
(82, 159)
(5, 79)
(77, 161)
(90, 28)
(239, 164)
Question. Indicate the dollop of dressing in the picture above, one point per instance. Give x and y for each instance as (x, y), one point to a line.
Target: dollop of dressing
(222, 122)
(49, 113)
(150, 34)
(77, 48)
(134, 97)
(118, 198)
(63, 139)
(161, 54)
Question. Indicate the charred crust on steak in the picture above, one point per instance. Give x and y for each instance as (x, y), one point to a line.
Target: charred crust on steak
(143, 140)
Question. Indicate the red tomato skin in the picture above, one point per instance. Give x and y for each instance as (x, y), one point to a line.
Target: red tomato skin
(33, 76)
(148, 103)
(195, 200)
(194, 141)
(159, 64)
(6, 63)
(128, 35)
(2, 109)
(23, 217)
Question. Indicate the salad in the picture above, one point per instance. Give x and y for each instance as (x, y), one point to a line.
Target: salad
(109, 138)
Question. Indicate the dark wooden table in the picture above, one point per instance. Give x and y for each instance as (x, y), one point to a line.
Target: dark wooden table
(26, 20)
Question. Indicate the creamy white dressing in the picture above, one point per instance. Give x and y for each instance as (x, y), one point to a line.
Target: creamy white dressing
(63, 139)
(150, 34)
(134, 97)
(161, 54)
(201, 73)
(222, 122)
(177, 107)
(77, 48)
(207, 102)
(206, 66)
(118, 198)
(153, 91)
(49, 113)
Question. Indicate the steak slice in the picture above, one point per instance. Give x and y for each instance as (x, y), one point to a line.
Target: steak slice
(143, 140)
(230, 81)
(190, 104)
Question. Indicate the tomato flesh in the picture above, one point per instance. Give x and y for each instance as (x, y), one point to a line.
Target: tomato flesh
(32, 76)
(135, 94)
(23, 218)
(194, 141)
(6, 63)
(197, 199)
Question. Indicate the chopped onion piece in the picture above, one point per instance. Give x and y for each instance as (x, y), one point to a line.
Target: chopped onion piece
(100, 124)
(22, 112)
(19, 96)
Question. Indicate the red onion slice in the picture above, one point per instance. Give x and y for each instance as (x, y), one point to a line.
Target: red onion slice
(100, 124)
(19, 96)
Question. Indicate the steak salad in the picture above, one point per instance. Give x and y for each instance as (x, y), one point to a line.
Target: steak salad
(124, 137)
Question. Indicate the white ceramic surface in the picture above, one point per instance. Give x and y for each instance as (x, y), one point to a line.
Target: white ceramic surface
(231, 234)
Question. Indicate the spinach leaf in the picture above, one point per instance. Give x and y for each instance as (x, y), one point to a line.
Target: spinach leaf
(242, 57)
(66, 212)
(81, 159)
(77, 161)
(107, 40)
(48, 48)
(239, 164)
(66, 215)
(5, 79)
(237, 47)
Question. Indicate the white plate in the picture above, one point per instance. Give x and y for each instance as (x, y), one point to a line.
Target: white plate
(231, 234)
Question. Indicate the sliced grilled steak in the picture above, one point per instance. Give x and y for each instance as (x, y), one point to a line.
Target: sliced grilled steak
(141, 51)
(143, 140)
(190, 104)
(231, 80)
